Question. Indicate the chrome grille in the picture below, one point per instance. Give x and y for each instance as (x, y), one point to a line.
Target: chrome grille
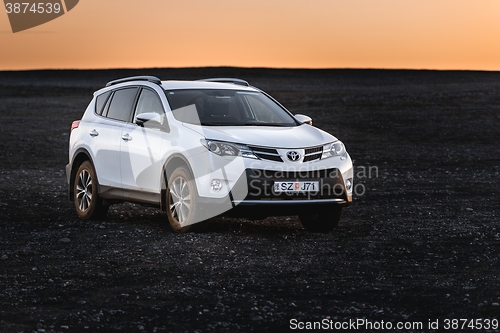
(312, 154)
(271, 154)
(267, 154)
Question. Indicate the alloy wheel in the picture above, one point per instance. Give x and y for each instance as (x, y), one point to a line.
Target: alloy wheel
(84, 190)
(180, 206)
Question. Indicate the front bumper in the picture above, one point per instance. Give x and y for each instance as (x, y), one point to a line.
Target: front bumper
(244, 186)
(253, 194)
(258, 185)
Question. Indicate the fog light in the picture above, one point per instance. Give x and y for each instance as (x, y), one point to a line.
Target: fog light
(216, 185)
(348, 184)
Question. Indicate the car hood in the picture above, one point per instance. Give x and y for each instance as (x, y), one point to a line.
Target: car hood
(267, 136)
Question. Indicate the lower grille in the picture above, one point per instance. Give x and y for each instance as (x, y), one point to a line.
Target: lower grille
(306, 174)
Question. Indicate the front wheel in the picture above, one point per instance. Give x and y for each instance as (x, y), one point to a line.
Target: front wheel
(88, 204)
(182, 201)
(323, 221)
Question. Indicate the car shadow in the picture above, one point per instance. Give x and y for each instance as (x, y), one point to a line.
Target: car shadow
(156, 219)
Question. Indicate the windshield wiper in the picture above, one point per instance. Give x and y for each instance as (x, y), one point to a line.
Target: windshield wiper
(265, 124)
(227, 124)
(212, 124)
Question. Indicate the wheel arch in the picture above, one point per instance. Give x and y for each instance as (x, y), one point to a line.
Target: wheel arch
(80, 156)
(172, 163)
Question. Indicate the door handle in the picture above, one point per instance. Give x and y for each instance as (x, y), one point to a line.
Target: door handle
(94, 133)
(126, 137)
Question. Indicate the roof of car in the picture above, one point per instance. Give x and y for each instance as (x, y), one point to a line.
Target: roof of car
(213, 83)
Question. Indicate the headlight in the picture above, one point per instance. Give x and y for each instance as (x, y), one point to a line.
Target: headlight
(336, 148)
(222, 148)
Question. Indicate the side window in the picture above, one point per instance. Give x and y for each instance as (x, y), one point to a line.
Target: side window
(106, 107)
(121, 104)
(148, 102)
(101, 101)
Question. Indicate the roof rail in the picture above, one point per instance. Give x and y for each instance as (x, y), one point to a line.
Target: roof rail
(227, 80)
(152, 79)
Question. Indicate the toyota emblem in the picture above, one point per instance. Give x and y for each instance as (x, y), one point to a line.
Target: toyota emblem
(293, 156)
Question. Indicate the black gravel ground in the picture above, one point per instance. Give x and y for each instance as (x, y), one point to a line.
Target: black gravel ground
(420, 244)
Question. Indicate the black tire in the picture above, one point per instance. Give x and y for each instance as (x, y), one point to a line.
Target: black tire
(323, 221)
(182, 202)
(88, 204)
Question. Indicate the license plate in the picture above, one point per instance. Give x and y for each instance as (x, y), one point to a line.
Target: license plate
(296, 186)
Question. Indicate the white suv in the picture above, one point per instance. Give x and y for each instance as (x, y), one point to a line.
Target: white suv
(199, 149)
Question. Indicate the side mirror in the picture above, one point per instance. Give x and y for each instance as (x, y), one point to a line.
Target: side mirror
(150, 119)
(304, 119)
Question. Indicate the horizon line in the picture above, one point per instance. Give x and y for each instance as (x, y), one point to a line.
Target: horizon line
(243, 67)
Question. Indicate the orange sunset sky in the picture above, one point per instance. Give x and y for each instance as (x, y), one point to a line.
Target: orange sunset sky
(416, 34)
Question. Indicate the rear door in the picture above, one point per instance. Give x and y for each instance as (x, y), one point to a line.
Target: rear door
(107, 132)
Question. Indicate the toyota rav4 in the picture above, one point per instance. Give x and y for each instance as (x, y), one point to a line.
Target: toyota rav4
(199, 149)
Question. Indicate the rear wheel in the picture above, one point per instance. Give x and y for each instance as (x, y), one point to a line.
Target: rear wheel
(88, 204)
(182, 201)
(323, 221)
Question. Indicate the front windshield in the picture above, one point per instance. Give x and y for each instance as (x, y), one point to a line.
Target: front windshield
(211, 107)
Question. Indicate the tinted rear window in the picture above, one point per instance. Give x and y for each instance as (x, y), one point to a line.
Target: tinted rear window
(100, 101)
(122, 103)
